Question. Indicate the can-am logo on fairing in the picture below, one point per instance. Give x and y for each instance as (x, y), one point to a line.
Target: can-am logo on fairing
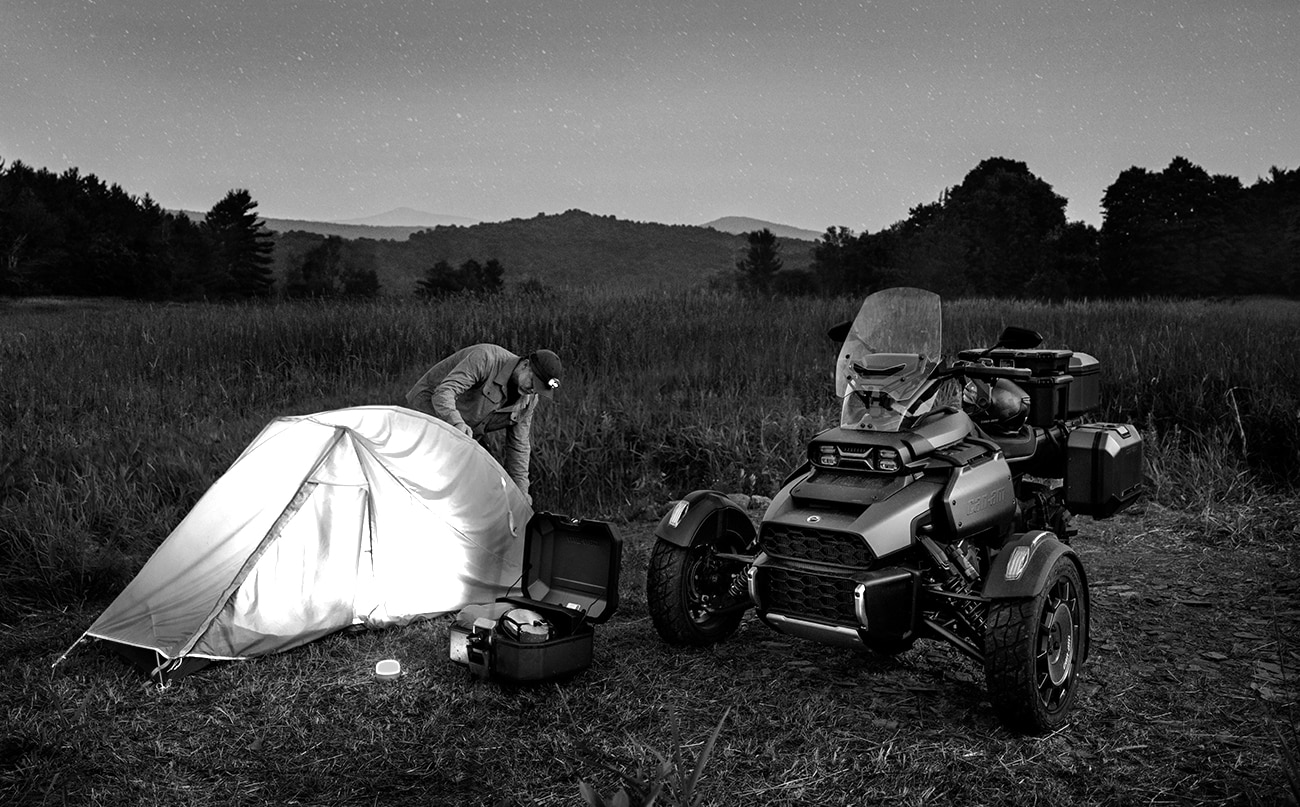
(986, 501)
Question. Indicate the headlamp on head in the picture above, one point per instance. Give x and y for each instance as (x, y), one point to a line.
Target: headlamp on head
(547, 370)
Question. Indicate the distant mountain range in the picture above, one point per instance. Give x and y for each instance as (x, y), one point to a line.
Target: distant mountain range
(739, 225)
(573, 248)
(395, 225)
(408, 217)
(399, 223)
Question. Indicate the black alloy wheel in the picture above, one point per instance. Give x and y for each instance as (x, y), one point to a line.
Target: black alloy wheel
(1034, 651)
(690, 590)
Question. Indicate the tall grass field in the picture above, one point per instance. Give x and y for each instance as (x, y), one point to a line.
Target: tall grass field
(116, 417)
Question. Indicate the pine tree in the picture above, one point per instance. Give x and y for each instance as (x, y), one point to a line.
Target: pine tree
(439, 281)
(242, 244)
(761, 263)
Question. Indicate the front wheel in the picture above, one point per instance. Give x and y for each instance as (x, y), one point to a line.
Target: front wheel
(689, 592)
(1034, 651)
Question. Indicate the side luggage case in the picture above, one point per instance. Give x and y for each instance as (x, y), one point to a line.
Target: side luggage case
(1104, 469)
(546, 631)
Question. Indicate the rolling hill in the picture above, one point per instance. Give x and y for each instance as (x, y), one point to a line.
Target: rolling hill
(343, 229)
(574, 248)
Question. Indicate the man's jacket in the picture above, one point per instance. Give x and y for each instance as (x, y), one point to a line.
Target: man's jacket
(471, 386)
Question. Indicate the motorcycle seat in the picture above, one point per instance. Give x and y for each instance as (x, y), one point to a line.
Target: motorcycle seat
(1017, 445)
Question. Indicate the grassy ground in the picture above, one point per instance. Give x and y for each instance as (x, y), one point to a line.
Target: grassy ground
(116, 417)
(1187, 699)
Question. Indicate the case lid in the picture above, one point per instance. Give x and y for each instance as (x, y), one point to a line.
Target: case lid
(569, 560)
(1083, 364)
(1040, 361)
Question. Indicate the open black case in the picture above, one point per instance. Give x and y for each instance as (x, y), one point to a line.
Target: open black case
(570, 578)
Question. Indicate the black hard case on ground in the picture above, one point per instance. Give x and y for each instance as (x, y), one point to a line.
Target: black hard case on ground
(570, 576)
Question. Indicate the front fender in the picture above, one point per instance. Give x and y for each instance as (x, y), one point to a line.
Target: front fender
(1043, 548)
(696, 511)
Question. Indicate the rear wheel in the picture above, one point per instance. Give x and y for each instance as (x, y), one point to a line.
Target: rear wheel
(1034, 651)
(689, 590)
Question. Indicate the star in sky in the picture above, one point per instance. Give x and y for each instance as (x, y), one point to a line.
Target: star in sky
(812, 114)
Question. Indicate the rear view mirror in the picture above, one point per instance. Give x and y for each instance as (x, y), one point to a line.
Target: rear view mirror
(1018, 338)
(838, 333)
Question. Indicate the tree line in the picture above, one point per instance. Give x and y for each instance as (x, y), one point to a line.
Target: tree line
(1002, 232)
(74, 235)
(69, 234)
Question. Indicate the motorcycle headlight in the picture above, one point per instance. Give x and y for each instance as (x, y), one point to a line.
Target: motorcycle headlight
(828, 456)
(887, 459)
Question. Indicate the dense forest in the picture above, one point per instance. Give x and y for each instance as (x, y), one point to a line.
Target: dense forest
(1002, 231)
(69, 234)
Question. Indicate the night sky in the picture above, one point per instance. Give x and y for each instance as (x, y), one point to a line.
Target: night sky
(810, 114)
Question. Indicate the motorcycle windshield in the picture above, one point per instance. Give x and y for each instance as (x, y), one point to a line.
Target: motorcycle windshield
(892, 348)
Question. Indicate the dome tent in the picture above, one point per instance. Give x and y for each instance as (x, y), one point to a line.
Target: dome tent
(373, 516)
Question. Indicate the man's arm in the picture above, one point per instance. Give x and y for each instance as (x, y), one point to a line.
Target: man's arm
(519, 447)
(472, 370)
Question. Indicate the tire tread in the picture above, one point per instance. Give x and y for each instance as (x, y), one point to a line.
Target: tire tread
(665, 584)
(1009, 645)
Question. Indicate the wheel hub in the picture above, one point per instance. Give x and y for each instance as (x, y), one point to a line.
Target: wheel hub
(1060, 644)
(706, 581)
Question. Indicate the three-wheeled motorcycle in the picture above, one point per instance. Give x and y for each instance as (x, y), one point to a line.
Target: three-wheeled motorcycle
(939, 508)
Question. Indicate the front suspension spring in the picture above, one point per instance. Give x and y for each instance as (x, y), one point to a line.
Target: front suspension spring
(951, 579)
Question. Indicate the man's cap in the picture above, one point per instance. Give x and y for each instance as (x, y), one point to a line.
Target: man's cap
(546, 366)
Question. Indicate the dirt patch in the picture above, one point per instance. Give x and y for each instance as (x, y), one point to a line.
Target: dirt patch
(1186, 699)
(1194, 639)
(1188, 694)
(1170, 607)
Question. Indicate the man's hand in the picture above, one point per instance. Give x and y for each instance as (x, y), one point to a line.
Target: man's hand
(465, 429)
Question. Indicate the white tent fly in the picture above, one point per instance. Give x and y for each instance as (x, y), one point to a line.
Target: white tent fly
(372, 516)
